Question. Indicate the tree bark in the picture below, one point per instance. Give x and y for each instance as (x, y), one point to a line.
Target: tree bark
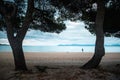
(99, 46)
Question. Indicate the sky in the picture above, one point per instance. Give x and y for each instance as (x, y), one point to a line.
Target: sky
(74, 34)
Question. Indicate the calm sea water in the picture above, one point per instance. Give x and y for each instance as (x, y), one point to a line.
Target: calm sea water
(4, 48)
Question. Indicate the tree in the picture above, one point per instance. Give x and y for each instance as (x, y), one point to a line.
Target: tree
(16, 22)
(16, 41)
(83, 10)
(99, 45)
(104, 23)
(110, 26)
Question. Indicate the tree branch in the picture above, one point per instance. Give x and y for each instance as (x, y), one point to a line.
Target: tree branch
(28, 19)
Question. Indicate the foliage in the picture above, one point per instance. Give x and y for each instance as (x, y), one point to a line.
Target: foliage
(86, 10)
(43, 18)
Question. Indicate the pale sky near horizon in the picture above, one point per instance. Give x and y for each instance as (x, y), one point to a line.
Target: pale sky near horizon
(74, 34)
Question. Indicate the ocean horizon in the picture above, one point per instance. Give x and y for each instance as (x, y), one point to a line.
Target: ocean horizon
(61, 48)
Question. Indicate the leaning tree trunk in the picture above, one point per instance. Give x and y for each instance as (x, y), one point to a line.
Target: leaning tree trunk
(16, 40)
(99, 46)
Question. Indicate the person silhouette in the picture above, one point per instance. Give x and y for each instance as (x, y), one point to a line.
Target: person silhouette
(82, 49)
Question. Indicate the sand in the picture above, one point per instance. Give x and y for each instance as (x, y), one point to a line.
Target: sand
(60, 66)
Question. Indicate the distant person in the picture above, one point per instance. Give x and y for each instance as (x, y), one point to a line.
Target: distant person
(82, 50)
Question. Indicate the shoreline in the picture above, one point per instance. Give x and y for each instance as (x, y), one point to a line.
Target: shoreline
(62, 52)
(61, 49)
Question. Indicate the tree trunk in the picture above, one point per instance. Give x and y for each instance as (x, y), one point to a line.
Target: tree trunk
(18, 54)
(99, 46)
(16, 45)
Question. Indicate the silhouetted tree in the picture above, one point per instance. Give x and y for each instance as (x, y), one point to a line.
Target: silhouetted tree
(16, 20)
(9, 11)
(99, 45)
(97, 21)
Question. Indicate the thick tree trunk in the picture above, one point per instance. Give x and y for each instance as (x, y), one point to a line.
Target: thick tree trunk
(18, 54)
(99, 46)
(16, 45)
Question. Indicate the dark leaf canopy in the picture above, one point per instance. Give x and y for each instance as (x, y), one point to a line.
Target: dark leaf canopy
(111, 21)
(43, 16)
(86, 11)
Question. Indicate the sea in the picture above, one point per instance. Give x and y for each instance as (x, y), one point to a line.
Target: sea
(7, 48)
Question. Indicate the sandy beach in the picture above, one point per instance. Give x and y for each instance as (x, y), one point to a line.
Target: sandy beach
(60, 66)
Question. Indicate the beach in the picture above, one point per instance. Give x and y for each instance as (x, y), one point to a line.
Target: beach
(60, 66)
